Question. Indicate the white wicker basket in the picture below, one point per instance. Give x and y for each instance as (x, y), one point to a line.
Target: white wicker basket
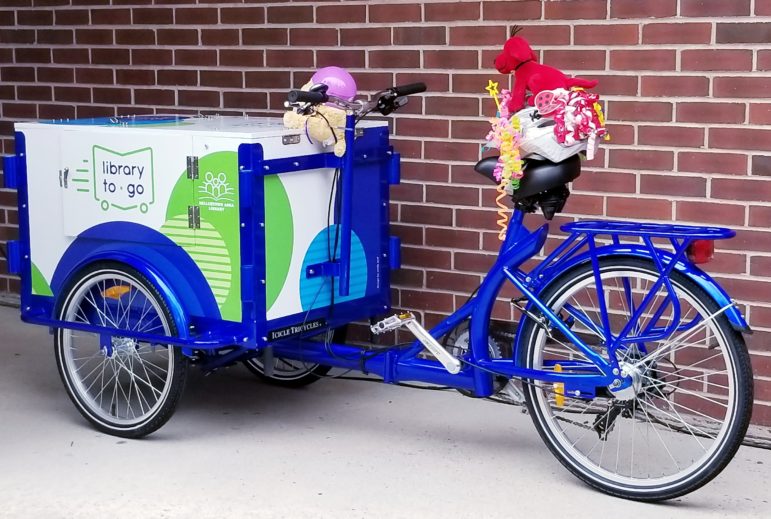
(538, 140)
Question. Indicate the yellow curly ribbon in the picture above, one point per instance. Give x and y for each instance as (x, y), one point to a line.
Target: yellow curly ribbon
(503, 210)
(601, 118)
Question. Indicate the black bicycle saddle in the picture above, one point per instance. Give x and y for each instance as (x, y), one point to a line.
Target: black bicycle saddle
(539, 175)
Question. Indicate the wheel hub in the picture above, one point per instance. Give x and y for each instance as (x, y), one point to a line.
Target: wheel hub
(631, 382)
(122, 347)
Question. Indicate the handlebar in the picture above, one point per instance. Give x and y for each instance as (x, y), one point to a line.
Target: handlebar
(412, 88)
(385, 101)
(302, 96)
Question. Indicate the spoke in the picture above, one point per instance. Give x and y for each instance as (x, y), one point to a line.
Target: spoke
(80, 315)
(690, 366)
(153, 348)
(694, 411)
(149, 407)
(634, 422)
(685, 424)
(657, 354)
(591, 325)
(655, 304)
(152, 388)
(104, 368)
(105, 307)
(86, 359)
(113, 405)
(650, 423)
(88, 374)
(146, 327)
(151, 372)
(143, 313)
(676, 419)
(583, 317)
(118, 312)
(572, 350)
(641, 322)
(88, 389)
(102, 316)
(128, 398)
(120, 386)
(127, 314)
(104, 386)
(687, 391)
(602, 451)
(146, 363)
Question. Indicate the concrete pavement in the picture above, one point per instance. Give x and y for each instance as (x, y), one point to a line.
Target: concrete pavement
(239, 448)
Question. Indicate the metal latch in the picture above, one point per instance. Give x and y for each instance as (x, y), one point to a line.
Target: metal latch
(192, 167)
(290, 139)
(63, 177)
(194, 217)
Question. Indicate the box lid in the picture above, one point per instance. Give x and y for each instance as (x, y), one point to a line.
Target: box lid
(235, 126)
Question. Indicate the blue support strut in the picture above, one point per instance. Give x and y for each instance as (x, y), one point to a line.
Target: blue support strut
(346, 206)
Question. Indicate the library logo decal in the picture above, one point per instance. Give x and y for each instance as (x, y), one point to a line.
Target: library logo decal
(123, 181)
(215, 192)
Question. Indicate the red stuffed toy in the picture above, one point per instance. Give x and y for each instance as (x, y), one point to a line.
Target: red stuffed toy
(518, 57)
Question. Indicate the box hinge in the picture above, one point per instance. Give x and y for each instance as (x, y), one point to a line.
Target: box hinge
(13, 249)
(192, 167)
(194, 217)
(10, 174)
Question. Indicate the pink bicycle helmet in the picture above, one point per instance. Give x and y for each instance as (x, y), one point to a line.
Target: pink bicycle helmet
(341, 84)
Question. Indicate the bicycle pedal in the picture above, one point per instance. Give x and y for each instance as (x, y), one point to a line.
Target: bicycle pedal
(392, 323)
(407, 319)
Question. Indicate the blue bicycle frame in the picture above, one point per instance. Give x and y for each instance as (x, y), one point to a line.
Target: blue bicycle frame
(479, 370)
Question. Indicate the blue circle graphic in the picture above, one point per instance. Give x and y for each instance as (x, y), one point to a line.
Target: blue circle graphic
(315, 292)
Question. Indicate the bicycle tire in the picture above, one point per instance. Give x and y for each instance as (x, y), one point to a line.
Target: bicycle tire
(161, 369)
(652, 400)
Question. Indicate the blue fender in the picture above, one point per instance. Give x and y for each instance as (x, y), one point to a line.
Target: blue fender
(168, 267)
(691, 271)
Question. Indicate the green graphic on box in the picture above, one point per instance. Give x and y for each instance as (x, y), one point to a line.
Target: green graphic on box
(215, 247)
(40, 286)
(123, 181)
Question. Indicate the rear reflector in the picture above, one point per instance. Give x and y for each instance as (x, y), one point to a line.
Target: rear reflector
(701, 251)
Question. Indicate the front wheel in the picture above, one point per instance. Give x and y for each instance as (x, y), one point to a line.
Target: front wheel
(123, 386)
(692, 394)
(293, 373)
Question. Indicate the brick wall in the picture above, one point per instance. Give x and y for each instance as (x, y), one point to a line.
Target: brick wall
(686, 84)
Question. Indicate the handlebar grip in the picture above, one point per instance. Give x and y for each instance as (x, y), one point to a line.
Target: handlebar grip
(413, 88)
(302, 96)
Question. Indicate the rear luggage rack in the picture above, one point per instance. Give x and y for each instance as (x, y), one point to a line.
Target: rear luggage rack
(648, 229)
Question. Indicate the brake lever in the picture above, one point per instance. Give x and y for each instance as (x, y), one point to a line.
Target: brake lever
(389, 101)
(300, 108)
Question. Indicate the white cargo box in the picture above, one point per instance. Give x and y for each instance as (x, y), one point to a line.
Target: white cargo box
(228, 211)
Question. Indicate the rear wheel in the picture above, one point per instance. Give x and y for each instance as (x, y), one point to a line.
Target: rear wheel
(689, 406)
(123, 386)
